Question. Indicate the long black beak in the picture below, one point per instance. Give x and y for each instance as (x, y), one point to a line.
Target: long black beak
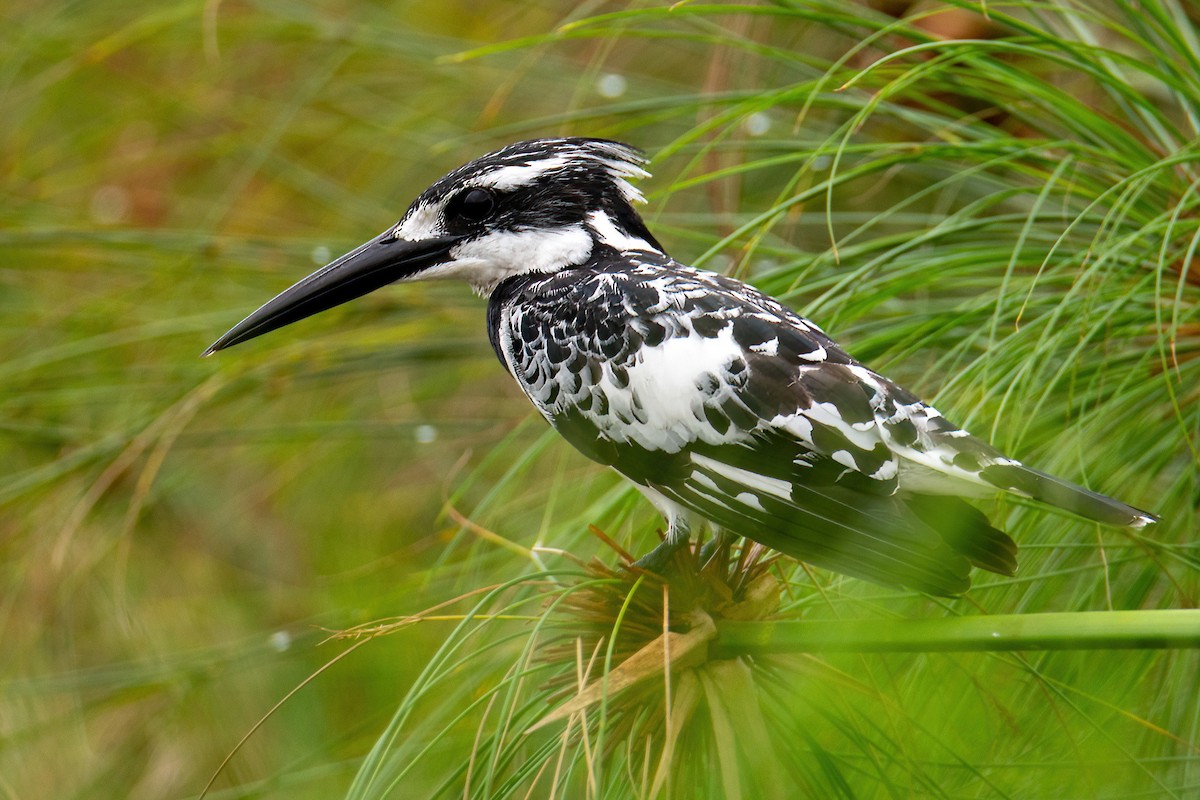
(383, 260)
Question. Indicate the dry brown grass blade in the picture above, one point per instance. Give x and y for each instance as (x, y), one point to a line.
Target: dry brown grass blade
(676, 650)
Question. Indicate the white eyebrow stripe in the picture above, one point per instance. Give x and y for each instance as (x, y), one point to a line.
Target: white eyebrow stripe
(515, 176)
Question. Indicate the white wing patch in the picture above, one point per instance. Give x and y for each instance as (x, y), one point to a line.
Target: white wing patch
(814, 355)
(668, 387)
(828, 414)
(743, 477)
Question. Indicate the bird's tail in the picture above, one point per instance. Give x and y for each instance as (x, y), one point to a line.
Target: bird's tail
(1062, 494)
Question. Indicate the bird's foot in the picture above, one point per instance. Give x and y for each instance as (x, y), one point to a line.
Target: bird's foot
(710, 548)
(660, 558)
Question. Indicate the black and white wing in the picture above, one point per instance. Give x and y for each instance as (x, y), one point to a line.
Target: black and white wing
(721, 401)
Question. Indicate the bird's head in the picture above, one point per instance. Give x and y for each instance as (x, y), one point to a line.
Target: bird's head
(538, 206)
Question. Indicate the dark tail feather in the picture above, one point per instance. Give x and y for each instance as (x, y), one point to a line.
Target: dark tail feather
(1065, 495)
(873, 538)
(967, 531)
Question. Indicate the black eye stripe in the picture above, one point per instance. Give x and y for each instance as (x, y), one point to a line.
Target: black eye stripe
(473, 205)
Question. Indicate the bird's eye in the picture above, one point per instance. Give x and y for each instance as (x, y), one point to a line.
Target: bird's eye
(474, 205)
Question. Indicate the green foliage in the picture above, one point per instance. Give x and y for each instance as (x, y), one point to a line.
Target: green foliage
(996, 205)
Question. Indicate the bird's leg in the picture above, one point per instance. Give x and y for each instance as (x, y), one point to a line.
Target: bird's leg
(659, 558)
(720, 539)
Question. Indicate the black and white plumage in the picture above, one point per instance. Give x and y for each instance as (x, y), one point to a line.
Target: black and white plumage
(717, 401)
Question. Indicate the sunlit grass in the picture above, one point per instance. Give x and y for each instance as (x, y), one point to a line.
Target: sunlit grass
(1007, 225)
(1027, 264)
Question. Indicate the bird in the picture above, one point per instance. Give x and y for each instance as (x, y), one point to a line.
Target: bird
(722, 405)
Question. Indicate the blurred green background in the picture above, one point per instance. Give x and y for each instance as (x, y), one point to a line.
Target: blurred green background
(1014, 235)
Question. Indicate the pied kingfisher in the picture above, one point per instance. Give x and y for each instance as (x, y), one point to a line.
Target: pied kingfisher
(717, 401)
